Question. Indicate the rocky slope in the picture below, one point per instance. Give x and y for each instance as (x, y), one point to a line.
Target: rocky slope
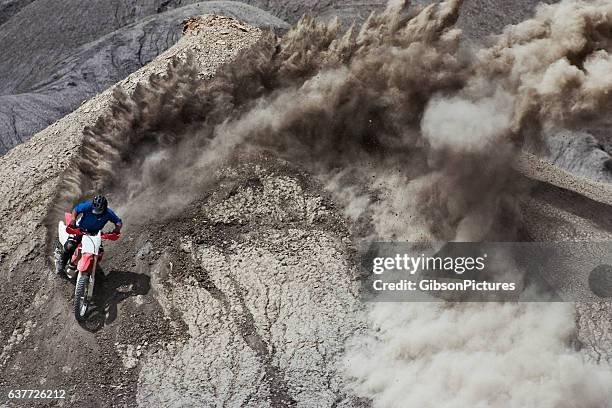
(58, 56)
(51, 69)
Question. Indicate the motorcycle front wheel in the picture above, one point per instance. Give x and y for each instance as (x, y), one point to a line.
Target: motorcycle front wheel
(81, 303)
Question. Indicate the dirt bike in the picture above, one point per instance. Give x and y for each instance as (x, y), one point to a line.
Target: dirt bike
(89, 254)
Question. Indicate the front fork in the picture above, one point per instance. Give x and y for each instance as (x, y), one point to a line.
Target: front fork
(92, 279)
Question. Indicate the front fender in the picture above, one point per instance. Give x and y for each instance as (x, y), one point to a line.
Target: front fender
(85, 262)
(76, 255)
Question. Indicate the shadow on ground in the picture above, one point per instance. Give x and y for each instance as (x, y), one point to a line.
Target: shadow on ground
(110, 290)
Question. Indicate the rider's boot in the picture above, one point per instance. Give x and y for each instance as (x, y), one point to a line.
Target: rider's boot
(71, 270)
(64, 254)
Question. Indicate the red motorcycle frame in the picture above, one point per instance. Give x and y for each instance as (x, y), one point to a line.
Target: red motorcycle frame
(88, 254)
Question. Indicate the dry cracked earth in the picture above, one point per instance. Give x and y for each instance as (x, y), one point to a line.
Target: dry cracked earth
(246, 298)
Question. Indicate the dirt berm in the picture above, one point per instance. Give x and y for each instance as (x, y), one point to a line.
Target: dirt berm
(245, 298)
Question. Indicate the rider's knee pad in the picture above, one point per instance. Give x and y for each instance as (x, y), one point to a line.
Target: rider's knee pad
(70, 245)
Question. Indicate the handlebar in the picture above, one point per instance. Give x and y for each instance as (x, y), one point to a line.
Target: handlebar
(111, 236)
(74, 231)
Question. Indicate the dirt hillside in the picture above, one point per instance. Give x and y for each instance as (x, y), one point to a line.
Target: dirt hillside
(179, 293)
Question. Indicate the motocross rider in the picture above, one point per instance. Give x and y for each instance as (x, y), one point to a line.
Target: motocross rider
(93, 217)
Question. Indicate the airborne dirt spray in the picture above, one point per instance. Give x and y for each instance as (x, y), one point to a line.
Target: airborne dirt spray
(413, 131)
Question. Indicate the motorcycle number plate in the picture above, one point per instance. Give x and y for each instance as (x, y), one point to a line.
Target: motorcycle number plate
(91, 244)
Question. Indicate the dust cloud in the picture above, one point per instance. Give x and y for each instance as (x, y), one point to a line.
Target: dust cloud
(412, 130)
(474, 355)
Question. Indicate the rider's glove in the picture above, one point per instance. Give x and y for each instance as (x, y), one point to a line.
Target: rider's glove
(72, 224)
